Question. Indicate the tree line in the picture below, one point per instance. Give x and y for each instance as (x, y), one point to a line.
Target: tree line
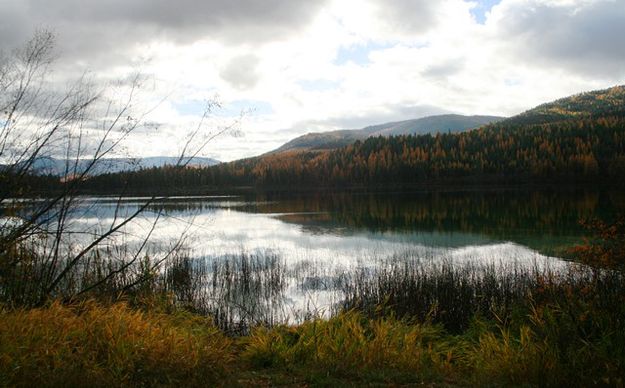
(578, 150)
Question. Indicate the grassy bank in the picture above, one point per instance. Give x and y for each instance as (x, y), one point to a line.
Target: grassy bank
(408, 322)
(92, 344)
(573, 334)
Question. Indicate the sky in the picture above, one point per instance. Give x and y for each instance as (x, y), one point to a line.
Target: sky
(282, 68)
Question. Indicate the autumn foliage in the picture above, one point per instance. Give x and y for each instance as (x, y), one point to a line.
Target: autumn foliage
(577, 150)
(606, 247)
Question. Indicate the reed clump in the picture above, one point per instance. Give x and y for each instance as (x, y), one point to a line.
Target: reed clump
(354, 347)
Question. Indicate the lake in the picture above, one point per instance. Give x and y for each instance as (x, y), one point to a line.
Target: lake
(278, 256)
(348, 225)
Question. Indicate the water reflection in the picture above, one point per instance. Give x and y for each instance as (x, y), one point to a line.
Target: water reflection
(543, 220)
(347, 226)
(276, 257)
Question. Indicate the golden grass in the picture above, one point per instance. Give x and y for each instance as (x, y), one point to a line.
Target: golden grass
(512, 358)
(95, 345)
(91, 344)
(352, 345)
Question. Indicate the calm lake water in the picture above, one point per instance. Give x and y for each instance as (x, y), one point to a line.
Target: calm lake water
(331, 226)
(307, 240)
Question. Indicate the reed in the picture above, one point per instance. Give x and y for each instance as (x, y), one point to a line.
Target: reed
(566, 333)
(403, 320)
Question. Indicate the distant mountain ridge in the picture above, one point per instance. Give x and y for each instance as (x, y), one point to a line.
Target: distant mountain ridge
(54, 166)
(605, 102)
(574, 140)
(431, 124)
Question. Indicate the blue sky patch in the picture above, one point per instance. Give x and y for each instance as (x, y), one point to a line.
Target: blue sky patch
(482, 7)
(197, 107)
(358, 54)
(236, 107)
(318, 85)
(189, 107)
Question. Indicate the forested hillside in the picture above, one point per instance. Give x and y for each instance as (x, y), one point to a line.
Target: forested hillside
(578, 139)
(598, 103)
(424, 125)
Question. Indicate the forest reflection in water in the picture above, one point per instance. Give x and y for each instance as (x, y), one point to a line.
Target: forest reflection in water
(547, 221)
(275, 257)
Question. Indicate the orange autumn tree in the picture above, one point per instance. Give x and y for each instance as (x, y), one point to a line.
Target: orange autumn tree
(606, 247)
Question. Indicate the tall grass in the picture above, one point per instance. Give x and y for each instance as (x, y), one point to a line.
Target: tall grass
(352, 346)
(95, 345)
(566, 335)
(104, 273)
(401, 320)
(570, 330)
(237, 291)
(453, 294)
(442, 291)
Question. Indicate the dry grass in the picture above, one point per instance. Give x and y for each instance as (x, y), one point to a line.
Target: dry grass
(90, 344)
(95, 345)
(352, 346)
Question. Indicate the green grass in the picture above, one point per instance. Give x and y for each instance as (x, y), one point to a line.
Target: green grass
(353, 347)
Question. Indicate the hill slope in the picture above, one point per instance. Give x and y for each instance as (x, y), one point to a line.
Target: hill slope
(598, 103)
(431, 124)
(578, 139)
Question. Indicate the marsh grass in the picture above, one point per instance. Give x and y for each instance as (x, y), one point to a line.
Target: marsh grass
(565, 336)
(405, 320)
(569, 331)
(237, 291)
(352, 346)
(452, 294)
(446, 293)
(91, 344)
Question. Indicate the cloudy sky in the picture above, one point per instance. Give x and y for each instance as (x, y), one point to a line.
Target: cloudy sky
(297, 66)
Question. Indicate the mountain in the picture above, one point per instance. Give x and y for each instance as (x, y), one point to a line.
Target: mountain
(431, 124)
(53, 166)
(580, 138)
(575, 140)
(598, 103)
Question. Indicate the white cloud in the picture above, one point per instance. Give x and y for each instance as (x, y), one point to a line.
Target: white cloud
(408, 58)
(583, 37)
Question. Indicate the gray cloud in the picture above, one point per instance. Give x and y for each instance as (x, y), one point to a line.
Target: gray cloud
(106, 26)
(407, 16)
(585, 38)
(241, 71)
(444, 69)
